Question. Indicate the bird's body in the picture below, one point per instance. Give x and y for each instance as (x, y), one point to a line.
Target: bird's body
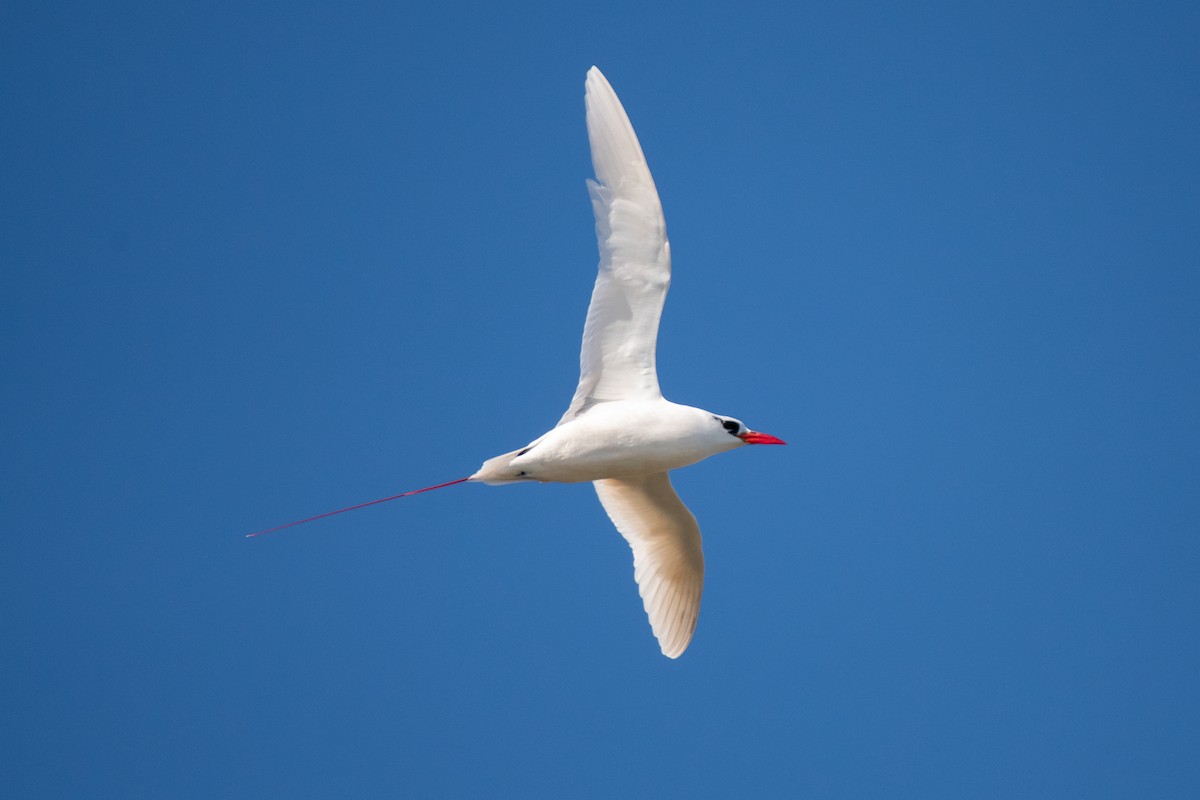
(617, 439)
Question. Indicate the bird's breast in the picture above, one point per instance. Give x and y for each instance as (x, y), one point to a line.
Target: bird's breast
(609, 444)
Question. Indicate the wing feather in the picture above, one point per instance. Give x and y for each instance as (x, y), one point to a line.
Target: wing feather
(617, 359)
(668, 563)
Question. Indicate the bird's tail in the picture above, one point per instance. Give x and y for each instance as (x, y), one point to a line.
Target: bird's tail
(499, 470)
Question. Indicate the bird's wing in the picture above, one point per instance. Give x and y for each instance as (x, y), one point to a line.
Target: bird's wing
(668, 564)
(621, 332)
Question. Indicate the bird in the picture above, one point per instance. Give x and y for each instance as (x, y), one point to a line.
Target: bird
(619, 433)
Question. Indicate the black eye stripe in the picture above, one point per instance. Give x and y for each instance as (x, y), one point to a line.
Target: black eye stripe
(730, 426)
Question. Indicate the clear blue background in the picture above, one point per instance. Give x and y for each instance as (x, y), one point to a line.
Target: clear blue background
(263, 261)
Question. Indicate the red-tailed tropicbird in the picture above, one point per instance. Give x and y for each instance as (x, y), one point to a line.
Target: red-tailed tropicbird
(619, 432)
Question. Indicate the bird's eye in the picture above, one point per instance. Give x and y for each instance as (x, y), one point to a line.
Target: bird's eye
(730, 426)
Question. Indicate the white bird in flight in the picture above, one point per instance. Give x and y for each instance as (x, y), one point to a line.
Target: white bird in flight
(619, 432)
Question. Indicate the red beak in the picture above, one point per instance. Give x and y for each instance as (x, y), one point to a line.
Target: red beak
(754, 437)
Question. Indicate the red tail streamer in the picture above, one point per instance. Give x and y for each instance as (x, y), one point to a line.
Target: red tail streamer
(360, 505)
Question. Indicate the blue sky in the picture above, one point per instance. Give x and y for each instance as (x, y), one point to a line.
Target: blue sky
(268, 260)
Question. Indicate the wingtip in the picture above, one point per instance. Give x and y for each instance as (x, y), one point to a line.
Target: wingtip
(675, 643)
(596, 79)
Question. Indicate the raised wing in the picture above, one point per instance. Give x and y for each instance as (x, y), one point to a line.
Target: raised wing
(668, 564)
(621, 332)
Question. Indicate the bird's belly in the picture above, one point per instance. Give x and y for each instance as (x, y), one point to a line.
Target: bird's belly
(576, 459)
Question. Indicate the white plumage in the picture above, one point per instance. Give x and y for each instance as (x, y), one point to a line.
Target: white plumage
(619, 432)
(668, 564)
(620, 335)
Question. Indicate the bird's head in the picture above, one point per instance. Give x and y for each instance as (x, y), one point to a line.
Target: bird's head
(737, 429)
